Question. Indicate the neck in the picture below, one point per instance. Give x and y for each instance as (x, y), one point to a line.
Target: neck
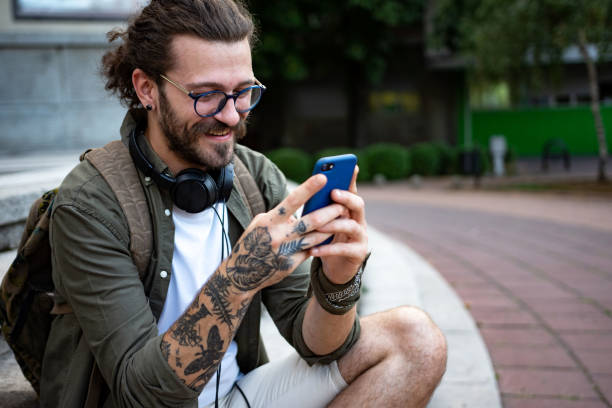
(156, 138)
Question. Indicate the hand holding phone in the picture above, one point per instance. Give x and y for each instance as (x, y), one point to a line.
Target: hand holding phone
(339, 172)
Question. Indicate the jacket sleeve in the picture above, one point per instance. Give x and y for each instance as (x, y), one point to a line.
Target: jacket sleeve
(286, 301)
(93, 271)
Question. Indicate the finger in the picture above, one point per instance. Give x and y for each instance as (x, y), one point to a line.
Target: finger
(303, 243)
(299, 196)
(344, 226)
(318, 218)
(353, 202)
(353, 251)
(353, 185)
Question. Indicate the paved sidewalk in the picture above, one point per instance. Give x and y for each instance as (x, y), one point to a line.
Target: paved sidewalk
(396, 275)
(535, 270)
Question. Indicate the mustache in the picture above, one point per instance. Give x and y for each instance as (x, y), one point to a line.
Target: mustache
(239, 129)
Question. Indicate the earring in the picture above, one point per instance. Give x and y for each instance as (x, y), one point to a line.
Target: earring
(149, 107)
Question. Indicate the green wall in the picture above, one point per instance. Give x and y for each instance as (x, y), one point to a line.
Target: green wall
(526, 130)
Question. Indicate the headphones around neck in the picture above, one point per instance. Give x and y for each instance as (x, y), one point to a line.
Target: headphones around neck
(193, 190)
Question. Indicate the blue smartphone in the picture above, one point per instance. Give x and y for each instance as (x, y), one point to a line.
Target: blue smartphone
(339, 172)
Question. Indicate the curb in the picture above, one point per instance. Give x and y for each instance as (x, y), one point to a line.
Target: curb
(395, 276)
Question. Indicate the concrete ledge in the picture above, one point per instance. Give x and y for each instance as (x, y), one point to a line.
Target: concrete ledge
(19, 189)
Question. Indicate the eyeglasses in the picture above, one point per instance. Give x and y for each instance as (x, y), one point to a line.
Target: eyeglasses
(210, 103)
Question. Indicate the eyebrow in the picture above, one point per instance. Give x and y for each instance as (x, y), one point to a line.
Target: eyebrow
(216, 85)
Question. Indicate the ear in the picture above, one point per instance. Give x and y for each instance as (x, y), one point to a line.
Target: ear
(145, 88)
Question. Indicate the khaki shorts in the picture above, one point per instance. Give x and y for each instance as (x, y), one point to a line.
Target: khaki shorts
(288, 382)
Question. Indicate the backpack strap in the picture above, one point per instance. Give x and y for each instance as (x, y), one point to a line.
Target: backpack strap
(247, 188)
(115, 164)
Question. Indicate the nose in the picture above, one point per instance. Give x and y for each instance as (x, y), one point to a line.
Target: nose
(229, 115)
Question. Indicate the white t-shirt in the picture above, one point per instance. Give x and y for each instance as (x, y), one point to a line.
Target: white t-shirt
(197, 254)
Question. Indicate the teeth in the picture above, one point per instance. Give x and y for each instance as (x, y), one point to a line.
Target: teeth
(220, 133)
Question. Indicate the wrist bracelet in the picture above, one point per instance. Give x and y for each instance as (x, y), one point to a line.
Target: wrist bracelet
(337, 299)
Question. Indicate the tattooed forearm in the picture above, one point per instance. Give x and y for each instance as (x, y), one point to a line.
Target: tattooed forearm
(165, 349)
(179, 364)
(249, 270)
(217, 291)
(244, 306)
(206, 360)
(185, 329)
(282, 211)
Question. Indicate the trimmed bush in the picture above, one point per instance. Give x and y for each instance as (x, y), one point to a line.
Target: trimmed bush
(389, 159)
(362, 160)
(294, 163)
(425, 159)
(448, 158)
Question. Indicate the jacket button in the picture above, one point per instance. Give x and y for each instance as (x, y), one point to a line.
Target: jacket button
(163, 274)
(167, 212)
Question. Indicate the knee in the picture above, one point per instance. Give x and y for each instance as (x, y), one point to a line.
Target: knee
(417, 339)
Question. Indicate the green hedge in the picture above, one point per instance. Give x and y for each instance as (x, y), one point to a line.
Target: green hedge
(294, 163)
(425, 159)
(448, 158)
(388, 159)
(391, 160)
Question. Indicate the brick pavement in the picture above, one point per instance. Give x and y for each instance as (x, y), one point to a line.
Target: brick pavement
(534, 270)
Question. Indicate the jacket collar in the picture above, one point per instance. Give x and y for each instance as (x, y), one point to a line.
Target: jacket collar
(139, 117)
(235, 205)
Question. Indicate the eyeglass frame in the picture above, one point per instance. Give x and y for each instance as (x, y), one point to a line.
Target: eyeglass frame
(220, 107)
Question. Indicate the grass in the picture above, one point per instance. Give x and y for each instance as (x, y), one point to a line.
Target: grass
(586, 188)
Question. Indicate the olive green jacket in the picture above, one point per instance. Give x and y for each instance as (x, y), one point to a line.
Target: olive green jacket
(115, 311)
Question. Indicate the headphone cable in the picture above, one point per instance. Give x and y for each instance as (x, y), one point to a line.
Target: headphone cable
(225, 245)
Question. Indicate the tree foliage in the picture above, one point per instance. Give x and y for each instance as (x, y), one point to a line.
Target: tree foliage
(515, 40)
(521, 39)
(307, 39)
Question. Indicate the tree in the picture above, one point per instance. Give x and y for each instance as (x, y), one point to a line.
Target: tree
(350, 40)
(514, 39)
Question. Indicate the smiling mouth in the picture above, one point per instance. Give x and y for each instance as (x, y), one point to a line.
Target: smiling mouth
(221, 132)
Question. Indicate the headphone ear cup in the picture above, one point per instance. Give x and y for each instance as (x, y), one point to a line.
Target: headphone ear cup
(194, 191)
(226, 181)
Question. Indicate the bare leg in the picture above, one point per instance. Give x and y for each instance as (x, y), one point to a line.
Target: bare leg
(398, 361)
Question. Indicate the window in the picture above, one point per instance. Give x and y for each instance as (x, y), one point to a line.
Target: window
(76, 9)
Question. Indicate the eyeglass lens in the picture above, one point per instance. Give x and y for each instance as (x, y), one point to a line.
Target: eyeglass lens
(215, 101)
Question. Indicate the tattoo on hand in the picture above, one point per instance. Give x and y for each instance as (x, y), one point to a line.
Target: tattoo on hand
(282, 211)
(290, 248)
(217, 291)
(207, 360)
(250, 270)
(300, 228)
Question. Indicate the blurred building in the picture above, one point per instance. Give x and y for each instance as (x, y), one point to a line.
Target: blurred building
(52, 96)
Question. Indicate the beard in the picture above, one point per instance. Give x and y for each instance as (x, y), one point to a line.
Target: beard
(183, 139)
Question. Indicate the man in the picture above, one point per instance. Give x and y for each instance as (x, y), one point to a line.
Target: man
(187, 333)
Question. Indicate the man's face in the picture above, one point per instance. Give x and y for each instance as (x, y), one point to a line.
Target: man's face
(202, 66)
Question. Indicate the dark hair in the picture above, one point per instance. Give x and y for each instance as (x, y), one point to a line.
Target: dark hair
(146, 41)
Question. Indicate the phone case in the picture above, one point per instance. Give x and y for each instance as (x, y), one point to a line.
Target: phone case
(338, 176)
